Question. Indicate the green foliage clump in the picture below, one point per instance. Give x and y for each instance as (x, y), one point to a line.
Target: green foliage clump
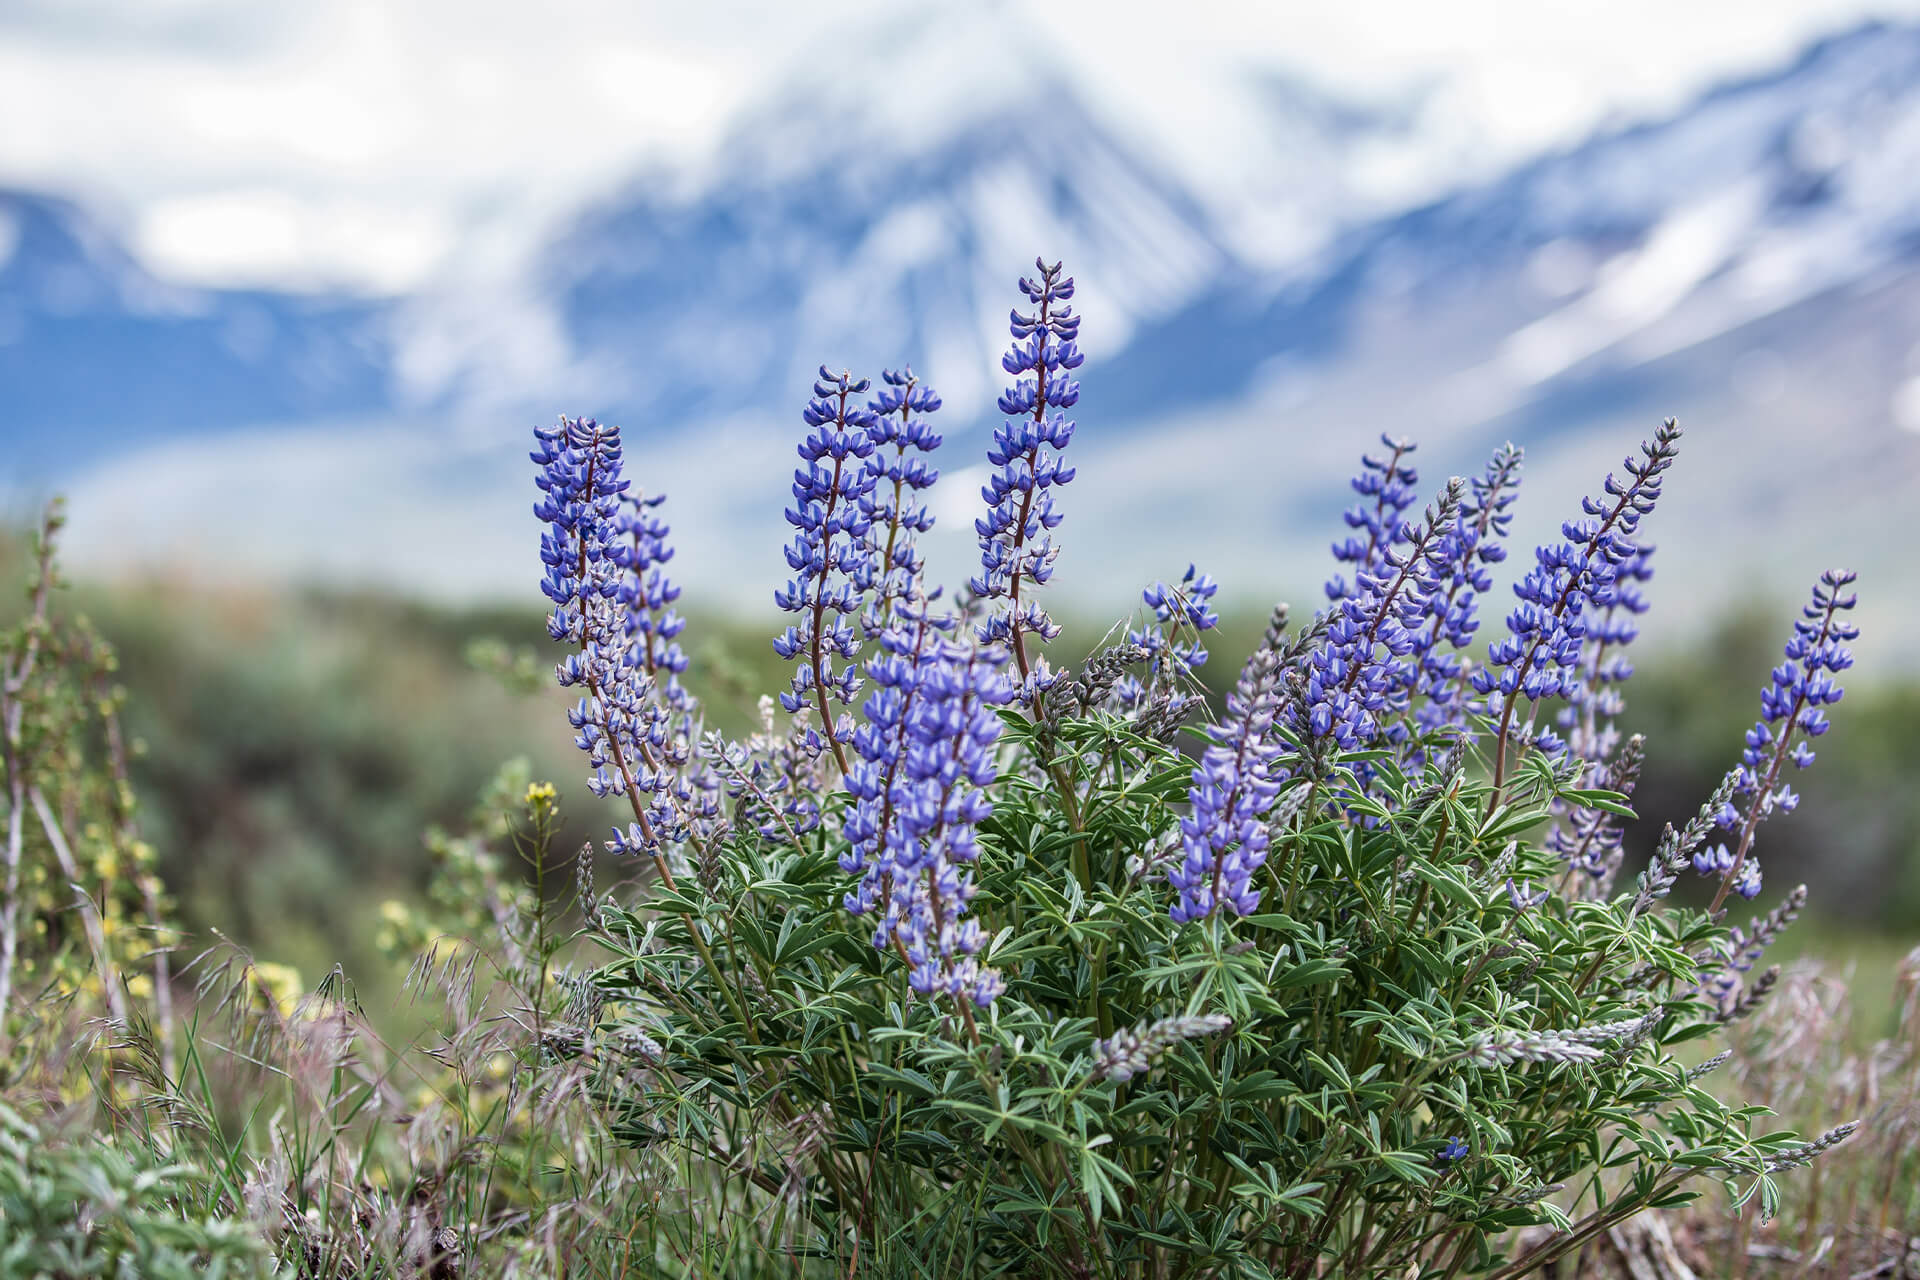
(1420, 1063)
(89, 1207)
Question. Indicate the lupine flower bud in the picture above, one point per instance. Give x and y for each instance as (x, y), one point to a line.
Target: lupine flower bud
(1710, 1066)
(1794, 1157)
(1677, 848)
(1577, 1044)
(1133, 1051)
(1590, 839)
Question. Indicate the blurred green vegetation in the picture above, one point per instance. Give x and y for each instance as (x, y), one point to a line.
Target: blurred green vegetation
(295, 748)
(298, 745)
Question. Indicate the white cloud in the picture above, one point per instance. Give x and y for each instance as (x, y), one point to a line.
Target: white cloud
(1906, 405)
(355, 141)
(262, 236)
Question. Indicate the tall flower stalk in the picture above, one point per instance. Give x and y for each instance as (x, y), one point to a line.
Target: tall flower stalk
(1224, 837)
(1387, 492)
(1539, 656)
(1473, 547)
(829, 555)
(1016, 546)
(621, 721)
(895, 507)
(1791, 716)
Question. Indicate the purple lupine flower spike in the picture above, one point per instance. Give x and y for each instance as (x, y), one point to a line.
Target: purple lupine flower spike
(1016, 547)
(902, 438)
(920, 790)
(1224, 835)
(1386, 489)
(832, 563)
(1594, 702)
(1791, 716)
(877, 783)
(608, 605)
(647, 594)
(1359, 674)
(1539, 657)
(1473, 546)
(1174, 646)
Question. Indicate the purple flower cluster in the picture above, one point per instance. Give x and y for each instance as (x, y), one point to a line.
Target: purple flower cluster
(773, 776)
(920, 790)
(1595, 702)
(893, 509)
(641, 550)
(1540, 656)
(830, 557)
(1386, 489)
(1224, 835)
(1359, 675)
(1016, 547)
(609, 592)
(1718, 861)
(1471, 548)
(1791, 715)
(1186, 607)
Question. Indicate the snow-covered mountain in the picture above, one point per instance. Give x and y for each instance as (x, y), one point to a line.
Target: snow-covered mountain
(1751, 265)
(876, 209)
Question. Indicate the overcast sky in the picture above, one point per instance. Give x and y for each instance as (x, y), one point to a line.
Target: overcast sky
(365, 143)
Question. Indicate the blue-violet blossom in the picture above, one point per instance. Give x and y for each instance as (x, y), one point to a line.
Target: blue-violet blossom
(1539, 657)
(1186, 607)
(1224, 836)
(829, 555)
(1389, 483)
(1791, 716)
(1471, 548)
(893, 506)
(632, 736)
(921, 789)
(1016, 548)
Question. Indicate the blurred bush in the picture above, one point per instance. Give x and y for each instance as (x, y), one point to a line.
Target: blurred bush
(293, 749)
(1855, 836)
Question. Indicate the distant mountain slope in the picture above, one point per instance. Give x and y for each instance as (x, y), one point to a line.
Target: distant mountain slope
(97, 356)
(1635, 245)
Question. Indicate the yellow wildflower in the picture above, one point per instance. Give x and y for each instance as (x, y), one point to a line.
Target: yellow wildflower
(278, 984)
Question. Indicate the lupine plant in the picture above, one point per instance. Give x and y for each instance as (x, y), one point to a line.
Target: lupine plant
(971, 963)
